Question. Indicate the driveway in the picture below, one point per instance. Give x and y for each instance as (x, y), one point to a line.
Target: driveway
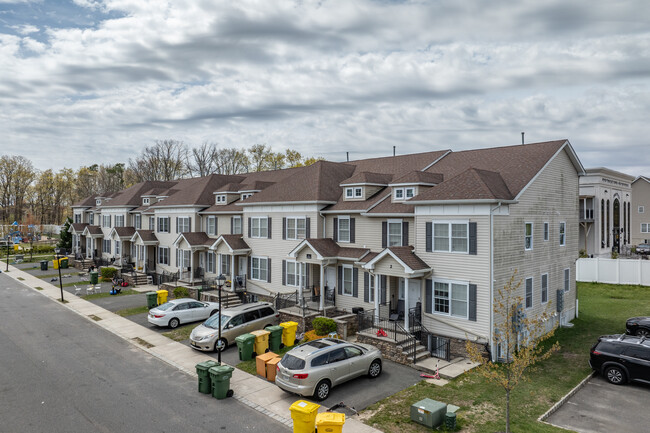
(600, 407)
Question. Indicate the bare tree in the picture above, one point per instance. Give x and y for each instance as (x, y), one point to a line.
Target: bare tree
(201, 160)
(165, 160)
(110, 178)
(16, 175)
(260, 157)
(231, 161)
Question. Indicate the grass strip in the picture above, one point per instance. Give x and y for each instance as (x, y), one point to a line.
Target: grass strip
(21, 279)
(107, 294)
(604, 309)
(38, 288)
(142, 342)
(181, 333)
(95, 318)
(132, 311)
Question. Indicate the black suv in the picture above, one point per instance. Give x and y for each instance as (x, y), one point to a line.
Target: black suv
(621, 358)
(639, 326)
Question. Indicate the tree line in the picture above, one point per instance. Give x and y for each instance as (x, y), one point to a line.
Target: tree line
(32, 196)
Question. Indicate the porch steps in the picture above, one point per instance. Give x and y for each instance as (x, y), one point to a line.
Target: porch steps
(421, 352)
(228, 299)
(140, 279)
(84, 264)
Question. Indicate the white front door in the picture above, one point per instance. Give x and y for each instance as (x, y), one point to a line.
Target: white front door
(415, 293)
(242, 265)
(89, 247)
(330, 277)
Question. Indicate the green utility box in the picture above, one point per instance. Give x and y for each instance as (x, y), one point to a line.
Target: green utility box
(94, 277)
(152, 300)
(429, 412)
(44, 264)
(205, 384)
(275, 338)
(220, 376)
(245, 346)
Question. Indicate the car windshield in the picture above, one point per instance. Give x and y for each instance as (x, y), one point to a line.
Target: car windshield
(291, 362)
(166, 306)
(213, 321)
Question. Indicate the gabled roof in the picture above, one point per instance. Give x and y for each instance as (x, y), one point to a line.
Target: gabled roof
(388, 207)
(132, 196)
(230, 208)
(234, 243)
(198, 191)
(419, 178)
(472, 184)
(365, 177)
(93, 231)
(77, 227)
(397, 165)
(326, 248)
(229, 187)
(87, 201)
(194, 239)
(403, 255)
(642, 178)
(122, 232)
(255, 185)
(147, 237)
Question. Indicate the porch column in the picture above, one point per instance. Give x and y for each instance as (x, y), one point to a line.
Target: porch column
(321, 307)
(191, 266)
(377, 295)
(406, 303)
(144, 260)
(232, 271)
(302, 299)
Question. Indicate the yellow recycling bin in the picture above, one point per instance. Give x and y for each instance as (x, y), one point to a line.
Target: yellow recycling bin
(330, 422)
(303, 414)
(55, 263)
(261, 341)
(162, 296)
(289, 333)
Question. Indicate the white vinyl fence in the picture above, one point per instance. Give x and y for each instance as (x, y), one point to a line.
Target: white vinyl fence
(614, 271)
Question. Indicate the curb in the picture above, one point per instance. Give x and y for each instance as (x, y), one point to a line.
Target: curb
(564, 399)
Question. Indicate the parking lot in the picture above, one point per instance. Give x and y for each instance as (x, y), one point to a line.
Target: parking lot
(600, 407)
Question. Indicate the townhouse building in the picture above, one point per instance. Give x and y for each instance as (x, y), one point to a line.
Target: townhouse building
(434, 233)
(640, 212)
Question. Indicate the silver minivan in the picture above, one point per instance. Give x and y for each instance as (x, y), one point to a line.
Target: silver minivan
(235, 321)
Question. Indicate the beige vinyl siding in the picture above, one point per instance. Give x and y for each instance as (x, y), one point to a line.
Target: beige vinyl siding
(640, 197)
(473, 269)
(553, 198)
(347, 302)
(367, 231)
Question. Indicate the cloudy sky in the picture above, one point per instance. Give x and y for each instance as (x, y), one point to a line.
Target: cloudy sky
(87, 81)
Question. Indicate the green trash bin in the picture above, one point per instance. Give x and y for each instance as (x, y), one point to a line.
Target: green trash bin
(94, 277)
(205, 384)
(63, 263)
(275, 338)
(152, 300)
(198, 293)
(450, 421)
(44, 264)
(220, 377)
(245, 346)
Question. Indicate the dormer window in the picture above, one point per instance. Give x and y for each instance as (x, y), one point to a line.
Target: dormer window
(349, 192)
(98, 202)
(356, 192)
(221, 199)
(403, 193)
(409, 192)
(399, 194)
(246, 195)
(145, 201)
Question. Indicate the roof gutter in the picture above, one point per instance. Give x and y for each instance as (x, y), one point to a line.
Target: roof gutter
(464, 201)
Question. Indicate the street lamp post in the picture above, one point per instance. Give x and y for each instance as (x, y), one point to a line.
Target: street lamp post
(60, 279)
(8, 241)
(221, 279)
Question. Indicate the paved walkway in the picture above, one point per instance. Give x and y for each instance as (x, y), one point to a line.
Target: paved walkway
(253, 391)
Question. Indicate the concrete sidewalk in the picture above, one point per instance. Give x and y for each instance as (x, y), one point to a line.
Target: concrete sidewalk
(253, 391)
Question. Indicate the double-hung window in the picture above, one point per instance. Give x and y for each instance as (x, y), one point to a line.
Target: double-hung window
(562, 233)
(296, 228)
(409, 192)
(358, 192)
(183, 224)
(77, 218)
(91, 219)
(349, 192)
(451, 298)
(567, 279)
(451, 236)
(225, 264)
(163, 225)
(528, 236)
(293, 273)
(106, 220)
(259, 227)
(394, 233)
(371, 288)
(106, 245)
(544, 288)
(163, 255)
(645, 227)
(152, 223)
(211, 225)
(119, 220)
(399, 194)
(529, 293)
(117, 247)
(137, 221)
(236, 225)
(259, 268)
(344, 229)
(209, 266)
(347, 280)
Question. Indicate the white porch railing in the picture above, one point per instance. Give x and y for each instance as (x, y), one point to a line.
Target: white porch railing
(613, 271)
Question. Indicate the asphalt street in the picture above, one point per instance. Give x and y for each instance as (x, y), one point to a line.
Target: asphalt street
(62, 373)
(600, 407)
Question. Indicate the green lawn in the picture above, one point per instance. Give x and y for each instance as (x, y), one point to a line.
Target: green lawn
(106, 294)
(250, 367)
(181, 333)
(603, 310)
(132, 311)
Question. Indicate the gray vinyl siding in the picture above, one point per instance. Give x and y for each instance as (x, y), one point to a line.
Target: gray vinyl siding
(553, 198)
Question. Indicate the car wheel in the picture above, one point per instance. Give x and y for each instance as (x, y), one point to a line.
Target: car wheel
(375, 369)
(642, 333)
(213, 312)
(615, 375)
(174, 323)
(322, 390)
(220, 345)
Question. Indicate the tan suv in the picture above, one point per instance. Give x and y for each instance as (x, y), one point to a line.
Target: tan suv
(234, 322)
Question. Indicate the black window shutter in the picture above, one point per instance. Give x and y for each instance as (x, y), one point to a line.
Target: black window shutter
(472, 302)
(335, 234)
(249, 227)
(472, 238)
(284, 272)
(384, 234)
(232, 225)
(268, 270)
(307, 267)
(428, 295)
(189, 224)
(383, 289)
(340, 280)
(429, 237)
(307, 227)
(284, 228)
(352, 231)
(355, 282)
(157, 225)
(405, 233)
(366, 287)
(249, 266)
(176, 224)
(268, 230)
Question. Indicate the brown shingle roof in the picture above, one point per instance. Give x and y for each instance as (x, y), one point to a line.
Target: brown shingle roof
(224, 208)
(87, 201)
(365, 177)
(124, 232)
(389, 207)
(198, 191)
(326, 247)
(410, 259)
(358, 206)
(419, 178)
(147, 235)
(79, 227)
(196, 239)
(235, 242)
(472, 184)
(397, 165)
(229, 187)
(132, 196)
(94, 230)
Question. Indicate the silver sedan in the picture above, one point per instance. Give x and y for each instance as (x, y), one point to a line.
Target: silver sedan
(178, 311)
(313, 368)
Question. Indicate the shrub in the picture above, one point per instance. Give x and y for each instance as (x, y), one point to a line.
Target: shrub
(615, 254)
(181, 292)
(323, 325)
(583, 254)
(108, 273)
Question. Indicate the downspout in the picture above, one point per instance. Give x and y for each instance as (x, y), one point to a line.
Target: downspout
(492, 348)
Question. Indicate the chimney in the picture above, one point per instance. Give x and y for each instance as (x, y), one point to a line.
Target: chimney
(522, 138)
(393, 150)
(347, 156)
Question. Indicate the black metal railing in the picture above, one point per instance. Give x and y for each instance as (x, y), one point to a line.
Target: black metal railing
(199, 272)
(286, 300)
(393, 329)
(164, 277)
(437, 345)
